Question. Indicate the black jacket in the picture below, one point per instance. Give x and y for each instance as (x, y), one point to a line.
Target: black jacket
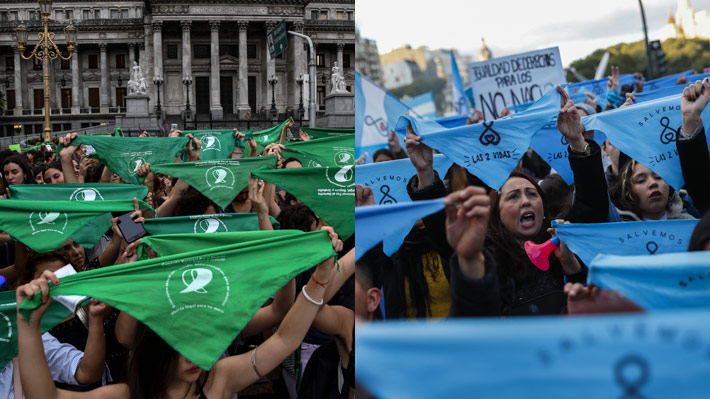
(695, 164)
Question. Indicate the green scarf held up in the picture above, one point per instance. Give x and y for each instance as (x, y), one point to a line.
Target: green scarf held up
(90, 233)
(45, 225)
(220, 181)
(216, 144)
(8, 324)
(199, 301)
(327, 191)
(323, 132)
(216, 223)
(265, 137)
(124, 155)
(331, 151)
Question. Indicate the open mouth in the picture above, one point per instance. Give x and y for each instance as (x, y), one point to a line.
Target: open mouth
(527, 219)
(656, 195)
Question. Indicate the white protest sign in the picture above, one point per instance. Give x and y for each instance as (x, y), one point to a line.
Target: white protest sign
(516, 79)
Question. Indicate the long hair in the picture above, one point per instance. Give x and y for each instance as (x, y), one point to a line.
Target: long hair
(152, 366)
(510, 256)
(626, 199)
(21, 161)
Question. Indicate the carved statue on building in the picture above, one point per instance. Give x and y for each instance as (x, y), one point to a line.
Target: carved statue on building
(337, 81)
(137, 84)
(484, 53)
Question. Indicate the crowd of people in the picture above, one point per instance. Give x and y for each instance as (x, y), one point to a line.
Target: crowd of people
(469, 260)
(101, 351)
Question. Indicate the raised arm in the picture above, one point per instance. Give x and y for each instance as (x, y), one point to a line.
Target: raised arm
(270, 315)
(93, 364)
(692, 146)
(256, 197)
(65, 157)
(282, 137)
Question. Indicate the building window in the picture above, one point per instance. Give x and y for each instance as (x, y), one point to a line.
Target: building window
(321, 97)
(3, 16)
(120, 61)
(10, 94)
(228, 49)
(59, 14)
(251, 51)
(314, 14)
(349, 15)
(320, 60)
(323, 14)
(114, 14)
(94, 97)
(66, 64)
(87, 14)
(201, 51)
(339, 14)
(37, 64)
(12, 16)
(9, 64)
(97, 14)
(124, 13)
(33, 16)
(93, 61)
(172, 51)
(346, 61)
(69, 14)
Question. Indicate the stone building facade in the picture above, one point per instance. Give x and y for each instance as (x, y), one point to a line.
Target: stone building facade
(220, 45)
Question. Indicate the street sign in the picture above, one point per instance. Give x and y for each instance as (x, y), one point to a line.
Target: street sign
(277, 40)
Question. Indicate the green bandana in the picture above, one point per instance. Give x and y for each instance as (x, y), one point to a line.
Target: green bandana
(328, 191)
(220, 181)
(265, 137)
(322, 132)
(91, 233)
(8, 324)
(331, 151)
(216, 144)
(199, 301)
(172, 244)
(45, 225)
(124, 155)
(216, 223)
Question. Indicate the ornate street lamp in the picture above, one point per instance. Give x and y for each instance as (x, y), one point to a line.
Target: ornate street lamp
(119, 82)
(46, 50)
(301, 110)
(187, 81)
(273, 81)
(158, 81)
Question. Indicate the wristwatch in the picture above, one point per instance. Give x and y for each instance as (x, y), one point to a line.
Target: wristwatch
(583, 153)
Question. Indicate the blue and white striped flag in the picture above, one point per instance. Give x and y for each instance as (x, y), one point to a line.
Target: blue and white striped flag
(652, 356)
(646, 132)
(376, 113)
(459, 94)
(678, 280)
(423, 105)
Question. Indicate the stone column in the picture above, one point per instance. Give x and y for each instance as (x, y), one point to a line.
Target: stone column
(104, 90)
(340, 57)
(270, 69)
(75, 91)
(18, 81)
(131, 55)
(158, 62)
(186, 58)
(243, 108)
(297, 62)
(215, 106)
(146, 59)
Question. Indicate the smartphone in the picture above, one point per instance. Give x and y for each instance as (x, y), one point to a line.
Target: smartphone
(131, 230)
(173, 126)
(48, 147)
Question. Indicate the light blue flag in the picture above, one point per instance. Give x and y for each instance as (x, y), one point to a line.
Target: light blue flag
(452, 121)
(677, 280)
(389, 223)
(551, 146)
(652, 237)
(651, 356)
(666, 91)
(459, 94)
(597, 87)
(376, 113)
(423, 105)
(469, 96)
(665, 81)
(489, 150)
(646, 132)
(521, 107)
(389, 179)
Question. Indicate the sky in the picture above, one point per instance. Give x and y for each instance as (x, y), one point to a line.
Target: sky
(510, 27)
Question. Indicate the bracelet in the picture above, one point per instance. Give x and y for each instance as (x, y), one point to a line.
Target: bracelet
(253, 363)
(585, 152)
(318, 282)
(311, 300)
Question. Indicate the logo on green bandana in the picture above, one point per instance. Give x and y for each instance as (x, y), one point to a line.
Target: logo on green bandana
(343, 158)
(135, 163)
(313, 164)
(341, 177)
(5, 328)
(265, 138)
(210, 143)
(43, 222)
(210, 225)
(186, 288)
(85, 194)
(219, 177)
